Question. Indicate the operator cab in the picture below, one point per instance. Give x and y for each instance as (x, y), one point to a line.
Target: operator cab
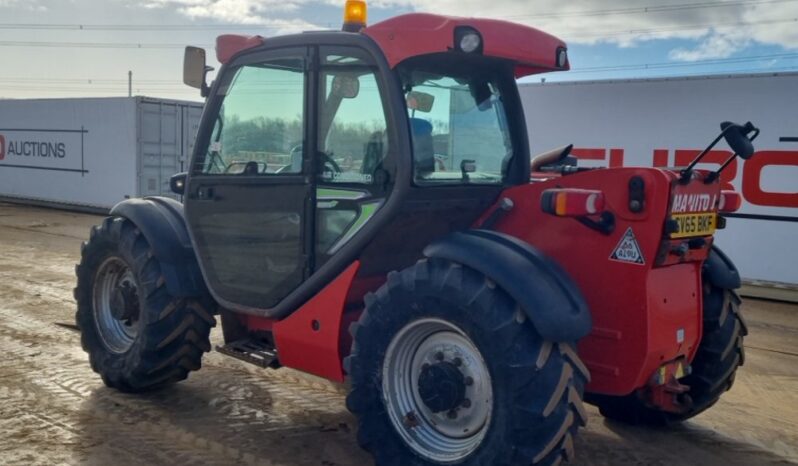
(316, 150)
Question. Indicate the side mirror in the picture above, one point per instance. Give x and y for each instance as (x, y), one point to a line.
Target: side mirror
(737, 138)
(420, 101)
(177, 183)
(346, 87)
(195, 69)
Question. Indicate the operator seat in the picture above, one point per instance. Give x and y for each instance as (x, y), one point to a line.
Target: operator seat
(374, 153)
(423, 146)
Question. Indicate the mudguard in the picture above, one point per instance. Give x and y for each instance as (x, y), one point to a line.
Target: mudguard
(720, 270)
(162, 222)
(548, 297)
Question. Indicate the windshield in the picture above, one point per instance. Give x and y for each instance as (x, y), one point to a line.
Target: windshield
(458, 123)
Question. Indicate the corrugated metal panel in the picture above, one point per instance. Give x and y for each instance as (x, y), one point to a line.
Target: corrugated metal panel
(93, 152)
(192, 115)
(159, 141)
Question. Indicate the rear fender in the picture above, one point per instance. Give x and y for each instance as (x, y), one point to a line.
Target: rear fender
(548, 297)
(162, 222)
(720, 270)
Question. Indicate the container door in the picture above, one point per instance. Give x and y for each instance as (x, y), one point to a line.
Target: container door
(192, 114)
(160, 142)
(249, 198)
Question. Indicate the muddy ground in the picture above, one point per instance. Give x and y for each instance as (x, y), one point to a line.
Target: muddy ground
(55, 410)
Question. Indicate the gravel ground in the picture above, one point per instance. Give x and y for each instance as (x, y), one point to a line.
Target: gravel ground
(55, 410)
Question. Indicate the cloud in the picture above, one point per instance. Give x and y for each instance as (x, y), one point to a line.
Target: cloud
(269, 13)
(722, 28)
(32, 5)
(714, 46)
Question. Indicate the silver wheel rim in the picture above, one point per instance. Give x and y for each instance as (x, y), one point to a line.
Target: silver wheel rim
(117, 335)
(442, 437)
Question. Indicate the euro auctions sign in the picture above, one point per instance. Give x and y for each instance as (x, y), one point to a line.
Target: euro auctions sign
(43, 149)
(666, 123)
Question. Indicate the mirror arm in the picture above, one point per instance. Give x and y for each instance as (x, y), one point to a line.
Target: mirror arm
(205, 90)
(687, 172)
(716, 174)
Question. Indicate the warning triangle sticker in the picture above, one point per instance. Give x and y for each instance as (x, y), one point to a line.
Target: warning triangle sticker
(628, 250)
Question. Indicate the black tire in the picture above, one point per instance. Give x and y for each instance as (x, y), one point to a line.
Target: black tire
(537, 385)
(172, 334)
(719, 355)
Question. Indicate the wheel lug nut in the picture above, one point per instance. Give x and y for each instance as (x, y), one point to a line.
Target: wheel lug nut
(466, 403)
(469, 381)
(458, 362)
(452, 414)
(439, 356)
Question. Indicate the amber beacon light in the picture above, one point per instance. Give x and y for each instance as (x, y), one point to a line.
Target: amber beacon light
(355, 15)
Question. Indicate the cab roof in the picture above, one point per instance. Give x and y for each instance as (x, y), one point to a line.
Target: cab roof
(414, 34)
(410, 35)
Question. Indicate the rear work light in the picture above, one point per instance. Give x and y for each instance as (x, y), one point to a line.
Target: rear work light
(467, 39)
(730, 201)
(572, 202)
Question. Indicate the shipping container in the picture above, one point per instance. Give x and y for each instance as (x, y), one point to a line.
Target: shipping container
(666, 122)
(90, 153)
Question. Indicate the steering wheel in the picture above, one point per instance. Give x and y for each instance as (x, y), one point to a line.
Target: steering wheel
(326, 160)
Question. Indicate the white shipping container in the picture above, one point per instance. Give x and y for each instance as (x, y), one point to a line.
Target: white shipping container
(90, 153)
(665, 122)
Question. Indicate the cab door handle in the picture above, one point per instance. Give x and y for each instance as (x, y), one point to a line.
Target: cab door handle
(206, 194)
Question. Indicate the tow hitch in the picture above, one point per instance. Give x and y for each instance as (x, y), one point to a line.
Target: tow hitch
(664, 390)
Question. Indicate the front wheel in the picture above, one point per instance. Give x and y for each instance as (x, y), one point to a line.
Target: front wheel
(446, 369)
(137, 335)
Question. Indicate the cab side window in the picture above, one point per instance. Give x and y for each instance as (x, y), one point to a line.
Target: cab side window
(260, 126)
(352, 125)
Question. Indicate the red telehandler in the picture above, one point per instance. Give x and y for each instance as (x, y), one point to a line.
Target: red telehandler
(359, 206)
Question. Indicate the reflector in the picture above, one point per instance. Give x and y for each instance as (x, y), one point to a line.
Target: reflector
(572, 202)
(730, 201)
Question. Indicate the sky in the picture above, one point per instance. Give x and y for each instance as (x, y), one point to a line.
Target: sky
(78, 48)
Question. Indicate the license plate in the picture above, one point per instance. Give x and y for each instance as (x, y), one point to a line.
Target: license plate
(694, 225)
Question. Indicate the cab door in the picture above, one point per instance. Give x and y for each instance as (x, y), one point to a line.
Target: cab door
(249, 200)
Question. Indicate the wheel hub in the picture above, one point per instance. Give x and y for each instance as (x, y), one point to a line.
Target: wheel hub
(116, 305)
(442, 387)
(125, 302)
(437, 390)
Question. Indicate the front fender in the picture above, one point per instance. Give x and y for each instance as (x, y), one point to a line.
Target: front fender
(162, 222)
(548, 297)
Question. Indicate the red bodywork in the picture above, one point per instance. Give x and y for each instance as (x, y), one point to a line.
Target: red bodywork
(315, 338)
(644, 315)
(417, 34)
(228, 45)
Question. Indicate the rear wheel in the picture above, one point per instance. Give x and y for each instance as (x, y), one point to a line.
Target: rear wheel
(719, 355)
(446, 369)
(137, 335)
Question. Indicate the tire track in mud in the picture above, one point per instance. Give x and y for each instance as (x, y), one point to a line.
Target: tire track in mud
(221, 406)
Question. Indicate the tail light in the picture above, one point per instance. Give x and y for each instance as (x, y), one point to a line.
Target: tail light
(730, 201)
(572, 202)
